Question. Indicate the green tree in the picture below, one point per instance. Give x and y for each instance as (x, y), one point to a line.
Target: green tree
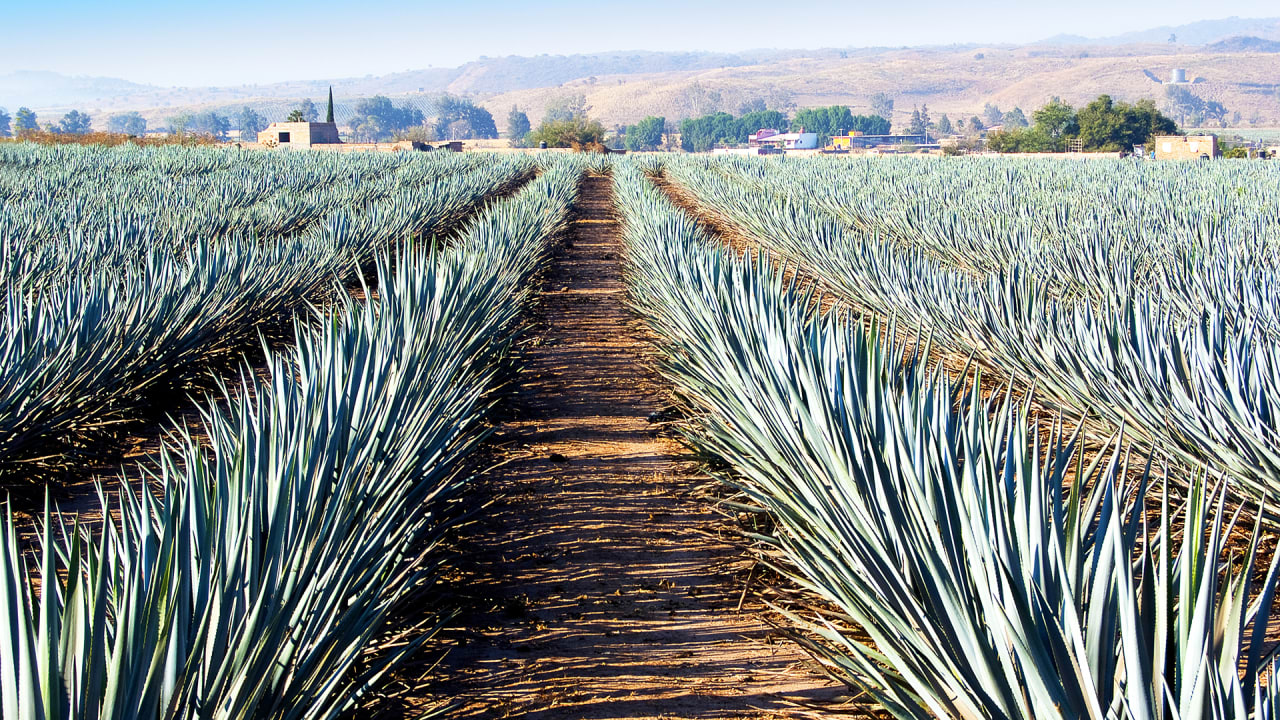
(757, 120)
(1015, 119)
(460, 119)
(1110, 126)
(328, 115)
(517, 126)
(377, 119)
(296, 116)
(24, 122)
(646, 134)
(4, 123)
(976, 125)
(1028, 140)
(251, 123)
(944, 125)
(75, 123)
(918, 123)
(704, 133)
(577, 131)
(1057, 122)
(130, 123)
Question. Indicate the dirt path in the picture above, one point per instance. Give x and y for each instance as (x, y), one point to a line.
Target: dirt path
(598, 587)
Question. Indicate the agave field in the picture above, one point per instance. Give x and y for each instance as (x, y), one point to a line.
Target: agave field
(1094, 539)
(990, 567)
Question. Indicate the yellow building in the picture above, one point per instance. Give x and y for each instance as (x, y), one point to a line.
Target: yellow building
(1188, 147)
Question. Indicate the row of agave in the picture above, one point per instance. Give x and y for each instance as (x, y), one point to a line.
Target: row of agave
(1070, 224)
(254, 583)
(1199, 388)
(79, 359)
(995, 573)
(95, 203)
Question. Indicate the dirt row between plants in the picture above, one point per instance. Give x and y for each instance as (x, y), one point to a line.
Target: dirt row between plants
(599, 584)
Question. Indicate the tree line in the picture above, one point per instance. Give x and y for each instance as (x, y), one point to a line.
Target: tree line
(1103, 125)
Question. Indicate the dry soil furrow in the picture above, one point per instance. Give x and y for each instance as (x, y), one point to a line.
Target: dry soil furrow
(594, 581)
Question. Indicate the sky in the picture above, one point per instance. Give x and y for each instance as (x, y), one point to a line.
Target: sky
(238, 42)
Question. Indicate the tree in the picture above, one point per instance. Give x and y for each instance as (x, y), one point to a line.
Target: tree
(566, 107)
(646, 134)
(1015, 119)
(376, 119)
(1030, 139)
(1056, 121)
(208, 123)
(24, 122)
(976, 125)
(4, 123)
(1216, 113)
(251, 123)
(944, 125)
(917, 124)
(308, 110)
(460, 119)
(517, 126)
(328, 114)
(75, 123)
(882, 105)
(130, 123)
(1173, 38)
(1111, 126)
(992, 115)
(703, 133)
(575, 132)
(296, 116)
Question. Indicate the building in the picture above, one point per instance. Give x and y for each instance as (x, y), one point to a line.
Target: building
(746, 151)
(856, 140)
(790, 141)
(1188, 147)
(753, 140)
(300, 135)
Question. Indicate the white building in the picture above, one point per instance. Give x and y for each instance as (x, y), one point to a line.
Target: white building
(791, 141)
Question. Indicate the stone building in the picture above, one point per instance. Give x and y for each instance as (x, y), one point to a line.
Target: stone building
(1188, 147)
(299, 134)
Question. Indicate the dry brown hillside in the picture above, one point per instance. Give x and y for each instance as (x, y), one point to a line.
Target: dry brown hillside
(952, 82)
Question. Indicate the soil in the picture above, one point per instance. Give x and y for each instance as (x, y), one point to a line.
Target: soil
(599, 584)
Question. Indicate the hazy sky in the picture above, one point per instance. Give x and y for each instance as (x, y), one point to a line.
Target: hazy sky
(235, 42)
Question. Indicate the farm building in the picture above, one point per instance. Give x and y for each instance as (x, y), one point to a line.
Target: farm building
(857, 140)
(790, 141)
(754, 138)
(299, 134)
(1189, 147)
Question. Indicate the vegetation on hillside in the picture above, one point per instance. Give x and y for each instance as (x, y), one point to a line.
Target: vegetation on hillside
(1102, 125)
(578, 133)
(646, 134)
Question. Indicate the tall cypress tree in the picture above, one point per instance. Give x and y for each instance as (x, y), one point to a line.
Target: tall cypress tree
(328, 116)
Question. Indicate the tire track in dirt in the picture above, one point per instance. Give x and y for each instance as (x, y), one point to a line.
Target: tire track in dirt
(597, 583)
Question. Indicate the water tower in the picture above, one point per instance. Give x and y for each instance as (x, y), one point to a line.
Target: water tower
(1179, 76)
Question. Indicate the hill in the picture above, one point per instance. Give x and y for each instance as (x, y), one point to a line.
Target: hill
(40, 89)
(1202, 32)
(1244, 43)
